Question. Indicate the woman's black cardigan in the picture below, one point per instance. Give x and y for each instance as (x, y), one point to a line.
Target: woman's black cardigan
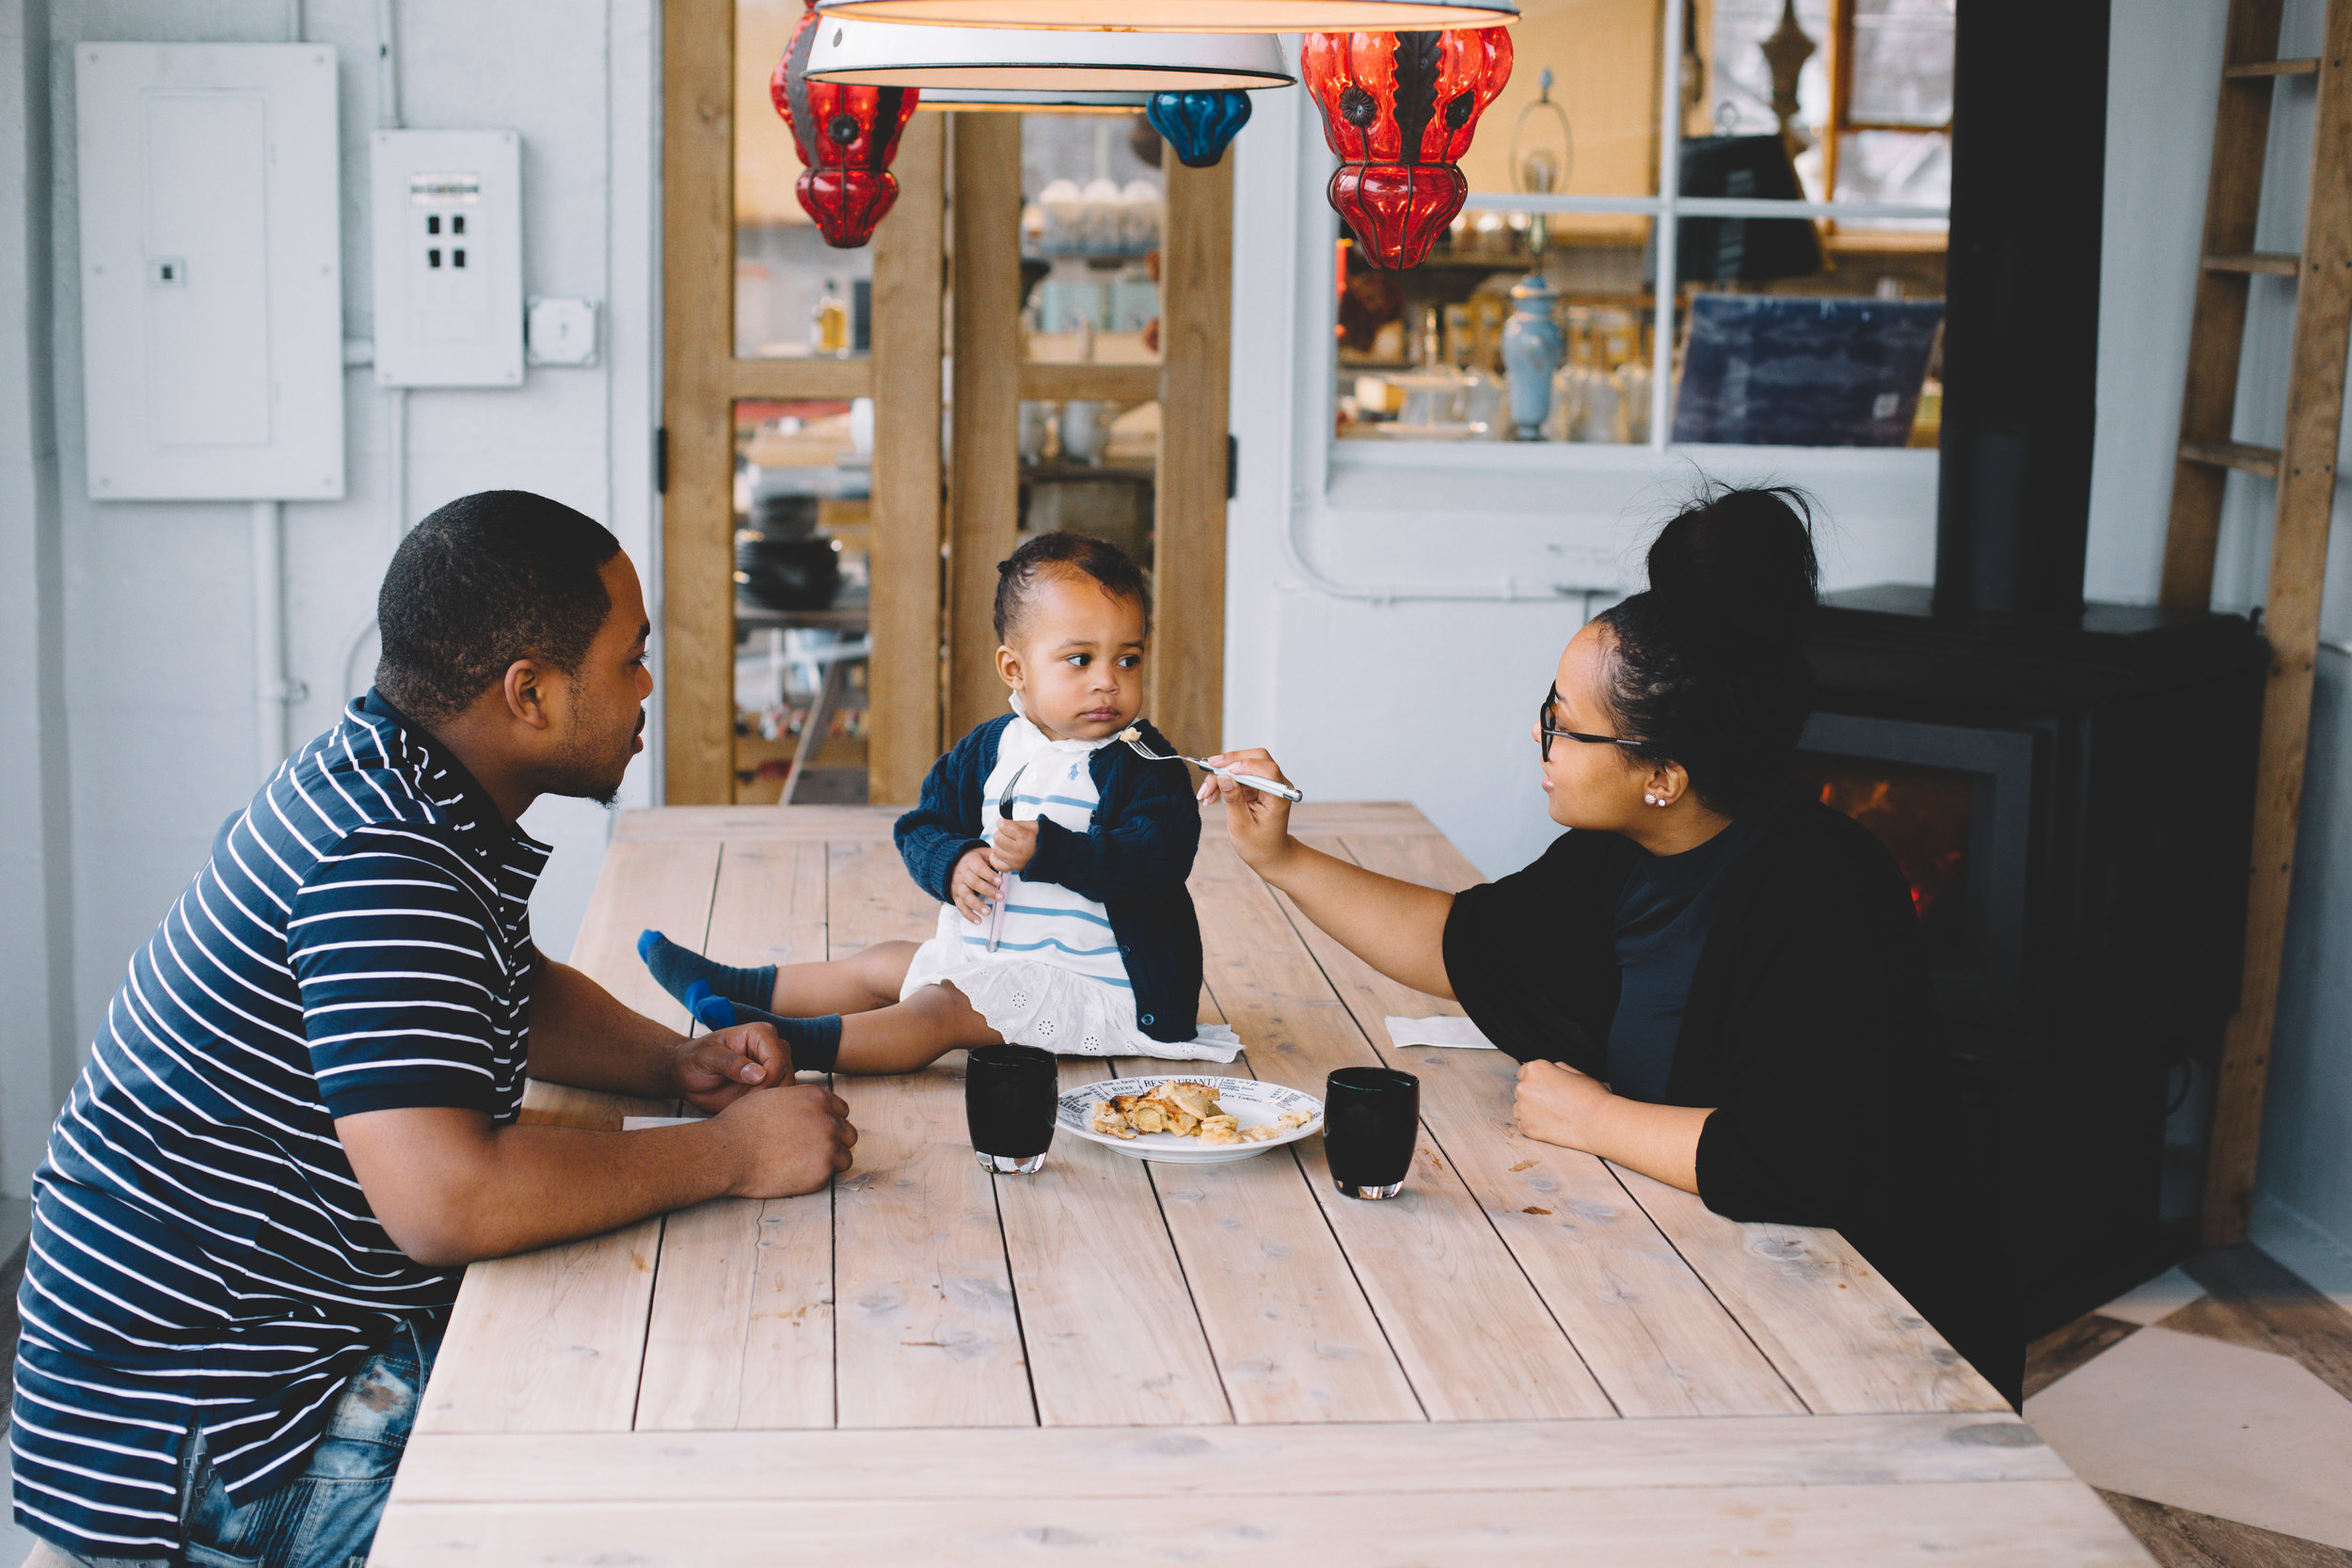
(1133, 860)
(1811, 1028)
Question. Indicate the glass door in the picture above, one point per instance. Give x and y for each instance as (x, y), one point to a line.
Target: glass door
(801, 575)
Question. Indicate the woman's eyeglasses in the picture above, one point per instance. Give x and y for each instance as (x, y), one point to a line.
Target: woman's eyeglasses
(1543, 723)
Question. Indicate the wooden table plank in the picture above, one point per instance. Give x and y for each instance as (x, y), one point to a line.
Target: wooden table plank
(1422, 1254)
(547, 1341)
(1997, 1525)
(1337, 1459)
(1109, 1326)
(1293, 1335)
(741, 1327)
(664, 887)
(924, 1323)
(552, 1341)
(1871, 1353)
(1654, 1335)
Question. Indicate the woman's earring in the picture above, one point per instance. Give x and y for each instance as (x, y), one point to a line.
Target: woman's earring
(1652, 800)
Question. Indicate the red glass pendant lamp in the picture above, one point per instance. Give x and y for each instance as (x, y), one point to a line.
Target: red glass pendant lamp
(845, 136)
(1399, 109)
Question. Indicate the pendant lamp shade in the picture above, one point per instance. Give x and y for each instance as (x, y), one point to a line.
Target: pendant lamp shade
(940, 60)
(1199, 124)
(1400, 109)
(1073, 100)
(846, 137)
(1188, 16)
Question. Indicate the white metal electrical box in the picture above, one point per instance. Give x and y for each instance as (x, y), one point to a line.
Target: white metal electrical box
(449, 259)
(211, 272)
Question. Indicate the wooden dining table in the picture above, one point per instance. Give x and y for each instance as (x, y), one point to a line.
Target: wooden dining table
(1528, 1356)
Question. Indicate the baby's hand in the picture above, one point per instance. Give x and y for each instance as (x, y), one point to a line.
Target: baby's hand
(974, 886)
(1016, 845)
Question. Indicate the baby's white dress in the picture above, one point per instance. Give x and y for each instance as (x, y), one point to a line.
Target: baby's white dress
(1056, 980)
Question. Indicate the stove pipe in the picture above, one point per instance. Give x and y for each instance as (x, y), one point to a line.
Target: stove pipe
(2021, 334)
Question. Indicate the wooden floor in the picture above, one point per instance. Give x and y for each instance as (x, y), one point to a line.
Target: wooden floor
(2250, 1301)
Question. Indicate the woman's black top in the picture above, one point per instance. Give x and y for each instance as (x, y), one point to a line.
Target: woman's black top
(1810, 1027)
(1663, 914)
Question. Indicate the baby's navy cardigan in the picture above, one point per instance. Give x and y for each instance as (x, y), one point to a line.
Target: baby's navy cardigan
(1131, 859)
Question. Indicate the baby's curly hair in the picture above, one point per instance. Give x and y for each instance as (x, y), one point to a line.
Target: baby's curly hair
(1099, 559)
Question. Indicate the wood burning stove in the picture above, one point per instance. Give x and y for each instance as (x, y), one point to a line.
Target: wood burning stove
(2073, 803)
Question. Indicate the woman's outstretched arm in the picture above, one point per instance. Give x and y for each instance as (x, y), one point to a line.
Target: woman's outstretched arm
(1398, 927)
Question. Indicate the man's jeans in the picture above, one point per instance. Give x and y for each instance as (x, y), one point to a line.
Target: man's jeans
(327, 1516)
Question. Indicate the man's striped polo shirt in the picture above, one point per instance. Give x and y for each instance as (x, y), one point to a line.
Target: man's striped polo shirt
(201, 1253)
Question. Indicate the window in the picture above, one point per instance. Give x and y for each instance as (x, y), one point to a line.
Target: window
(1804, 233)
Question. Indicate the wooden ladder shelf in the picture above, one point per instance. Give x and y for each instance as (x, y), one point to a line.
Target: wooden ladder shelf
(2304, 467)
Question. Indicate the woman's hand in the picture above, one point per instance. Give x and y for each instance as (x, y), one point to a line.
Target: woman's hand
(1015, 845)
(974, 886)
(1556, 1104)
(1259, 823)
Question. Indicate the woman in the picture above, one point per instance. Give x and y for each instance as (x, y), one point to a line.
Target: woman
(1712, 978)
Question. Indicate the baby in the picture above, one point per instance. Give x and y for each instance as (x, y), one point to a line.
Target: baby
(1059, 856)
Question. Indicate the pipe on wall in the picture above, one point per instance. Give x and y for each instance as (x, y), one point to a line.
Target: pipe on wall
(273, 693)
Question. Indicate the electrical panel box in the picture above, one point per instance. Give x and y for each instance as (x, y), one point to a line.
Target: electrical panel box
(211, 271)
(449, 259)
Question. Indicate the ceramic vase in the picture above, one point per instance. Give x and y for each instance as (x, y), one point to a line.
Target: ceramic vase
(1532, 346)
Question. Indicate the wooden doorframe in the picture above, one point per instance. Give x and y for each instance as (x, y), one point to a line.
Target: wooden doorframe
(1186, 699)
(1196, 466)
(701, 380)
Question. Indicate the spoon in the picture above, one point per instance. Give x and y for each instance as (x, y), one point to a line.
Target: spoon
(1249, 781)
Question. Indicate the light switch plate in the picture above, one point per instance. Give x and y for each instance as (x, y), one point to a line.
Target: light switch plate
(561, 332)
(446, 209)
(211, 271)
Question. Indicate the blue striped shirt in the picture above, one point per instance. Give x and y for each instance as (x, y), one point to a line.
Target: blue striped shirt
(360, 940)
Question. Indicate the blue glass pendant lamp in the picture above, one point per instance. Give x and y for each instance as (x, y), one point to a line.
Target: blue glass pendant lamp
(1199, 124)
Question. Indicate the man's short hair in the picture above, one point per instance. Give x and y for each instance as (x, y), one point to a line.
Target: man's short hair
(486, 580)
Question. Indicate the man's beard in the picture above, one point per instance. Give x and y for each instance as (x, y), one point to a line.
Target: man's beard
(584, 771)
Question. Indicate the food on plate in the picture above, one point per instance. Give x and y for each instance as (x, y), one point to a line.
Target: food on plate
(1187, 1110)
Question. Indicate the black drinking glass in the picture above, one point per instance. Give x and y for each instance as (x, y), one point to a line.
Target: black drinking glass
(1010, 1096)
(1369, 1117)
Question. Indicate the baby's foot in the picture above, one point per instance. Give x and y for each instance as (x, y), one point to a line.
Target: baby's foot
(677, 968)
(814, 1043)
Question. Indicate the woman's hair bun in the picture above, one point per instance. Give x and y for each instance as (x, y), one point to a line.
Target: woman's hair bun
(1738, 570)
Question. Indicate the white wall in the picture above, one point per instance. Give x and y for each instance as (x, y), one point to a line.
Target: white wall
(148, 610)
(37, 1028)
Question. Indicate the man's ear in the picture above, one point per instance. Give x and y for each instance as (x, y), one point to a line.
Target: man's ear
(1009, 667)
(527, 693)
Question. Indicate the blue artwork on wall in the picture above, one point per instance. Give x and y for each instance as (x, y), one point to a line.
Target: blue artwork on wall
(1788, 370)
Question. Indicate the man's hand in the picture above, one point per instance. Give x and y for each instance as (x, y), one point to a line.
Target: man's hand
(721, 1068)
(974, 886)
(786, 1142)
(1555, 1104)
(1015, 845)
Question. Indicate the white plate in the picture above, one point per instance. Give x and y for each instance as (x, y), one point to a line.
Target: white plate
(1251, 1102)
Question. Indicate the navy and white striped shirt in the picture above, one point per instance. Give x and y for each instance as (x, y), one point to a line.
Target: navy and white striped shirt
(201, 1253)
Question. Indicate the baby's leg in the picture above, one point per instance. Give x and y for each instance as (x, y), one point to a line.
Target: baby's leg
(913, 1033)
(864, 980)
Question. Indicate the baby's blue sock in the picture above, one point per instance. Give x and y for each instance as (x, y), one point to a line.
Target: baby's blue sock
(677, 968)
(815, 1042)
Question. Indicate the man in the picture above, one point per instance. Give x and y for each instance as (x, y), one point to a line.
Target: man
(298, 1120)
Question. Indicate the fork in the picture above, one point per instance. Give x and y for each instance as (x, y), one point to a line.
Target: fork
(1249, 781)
